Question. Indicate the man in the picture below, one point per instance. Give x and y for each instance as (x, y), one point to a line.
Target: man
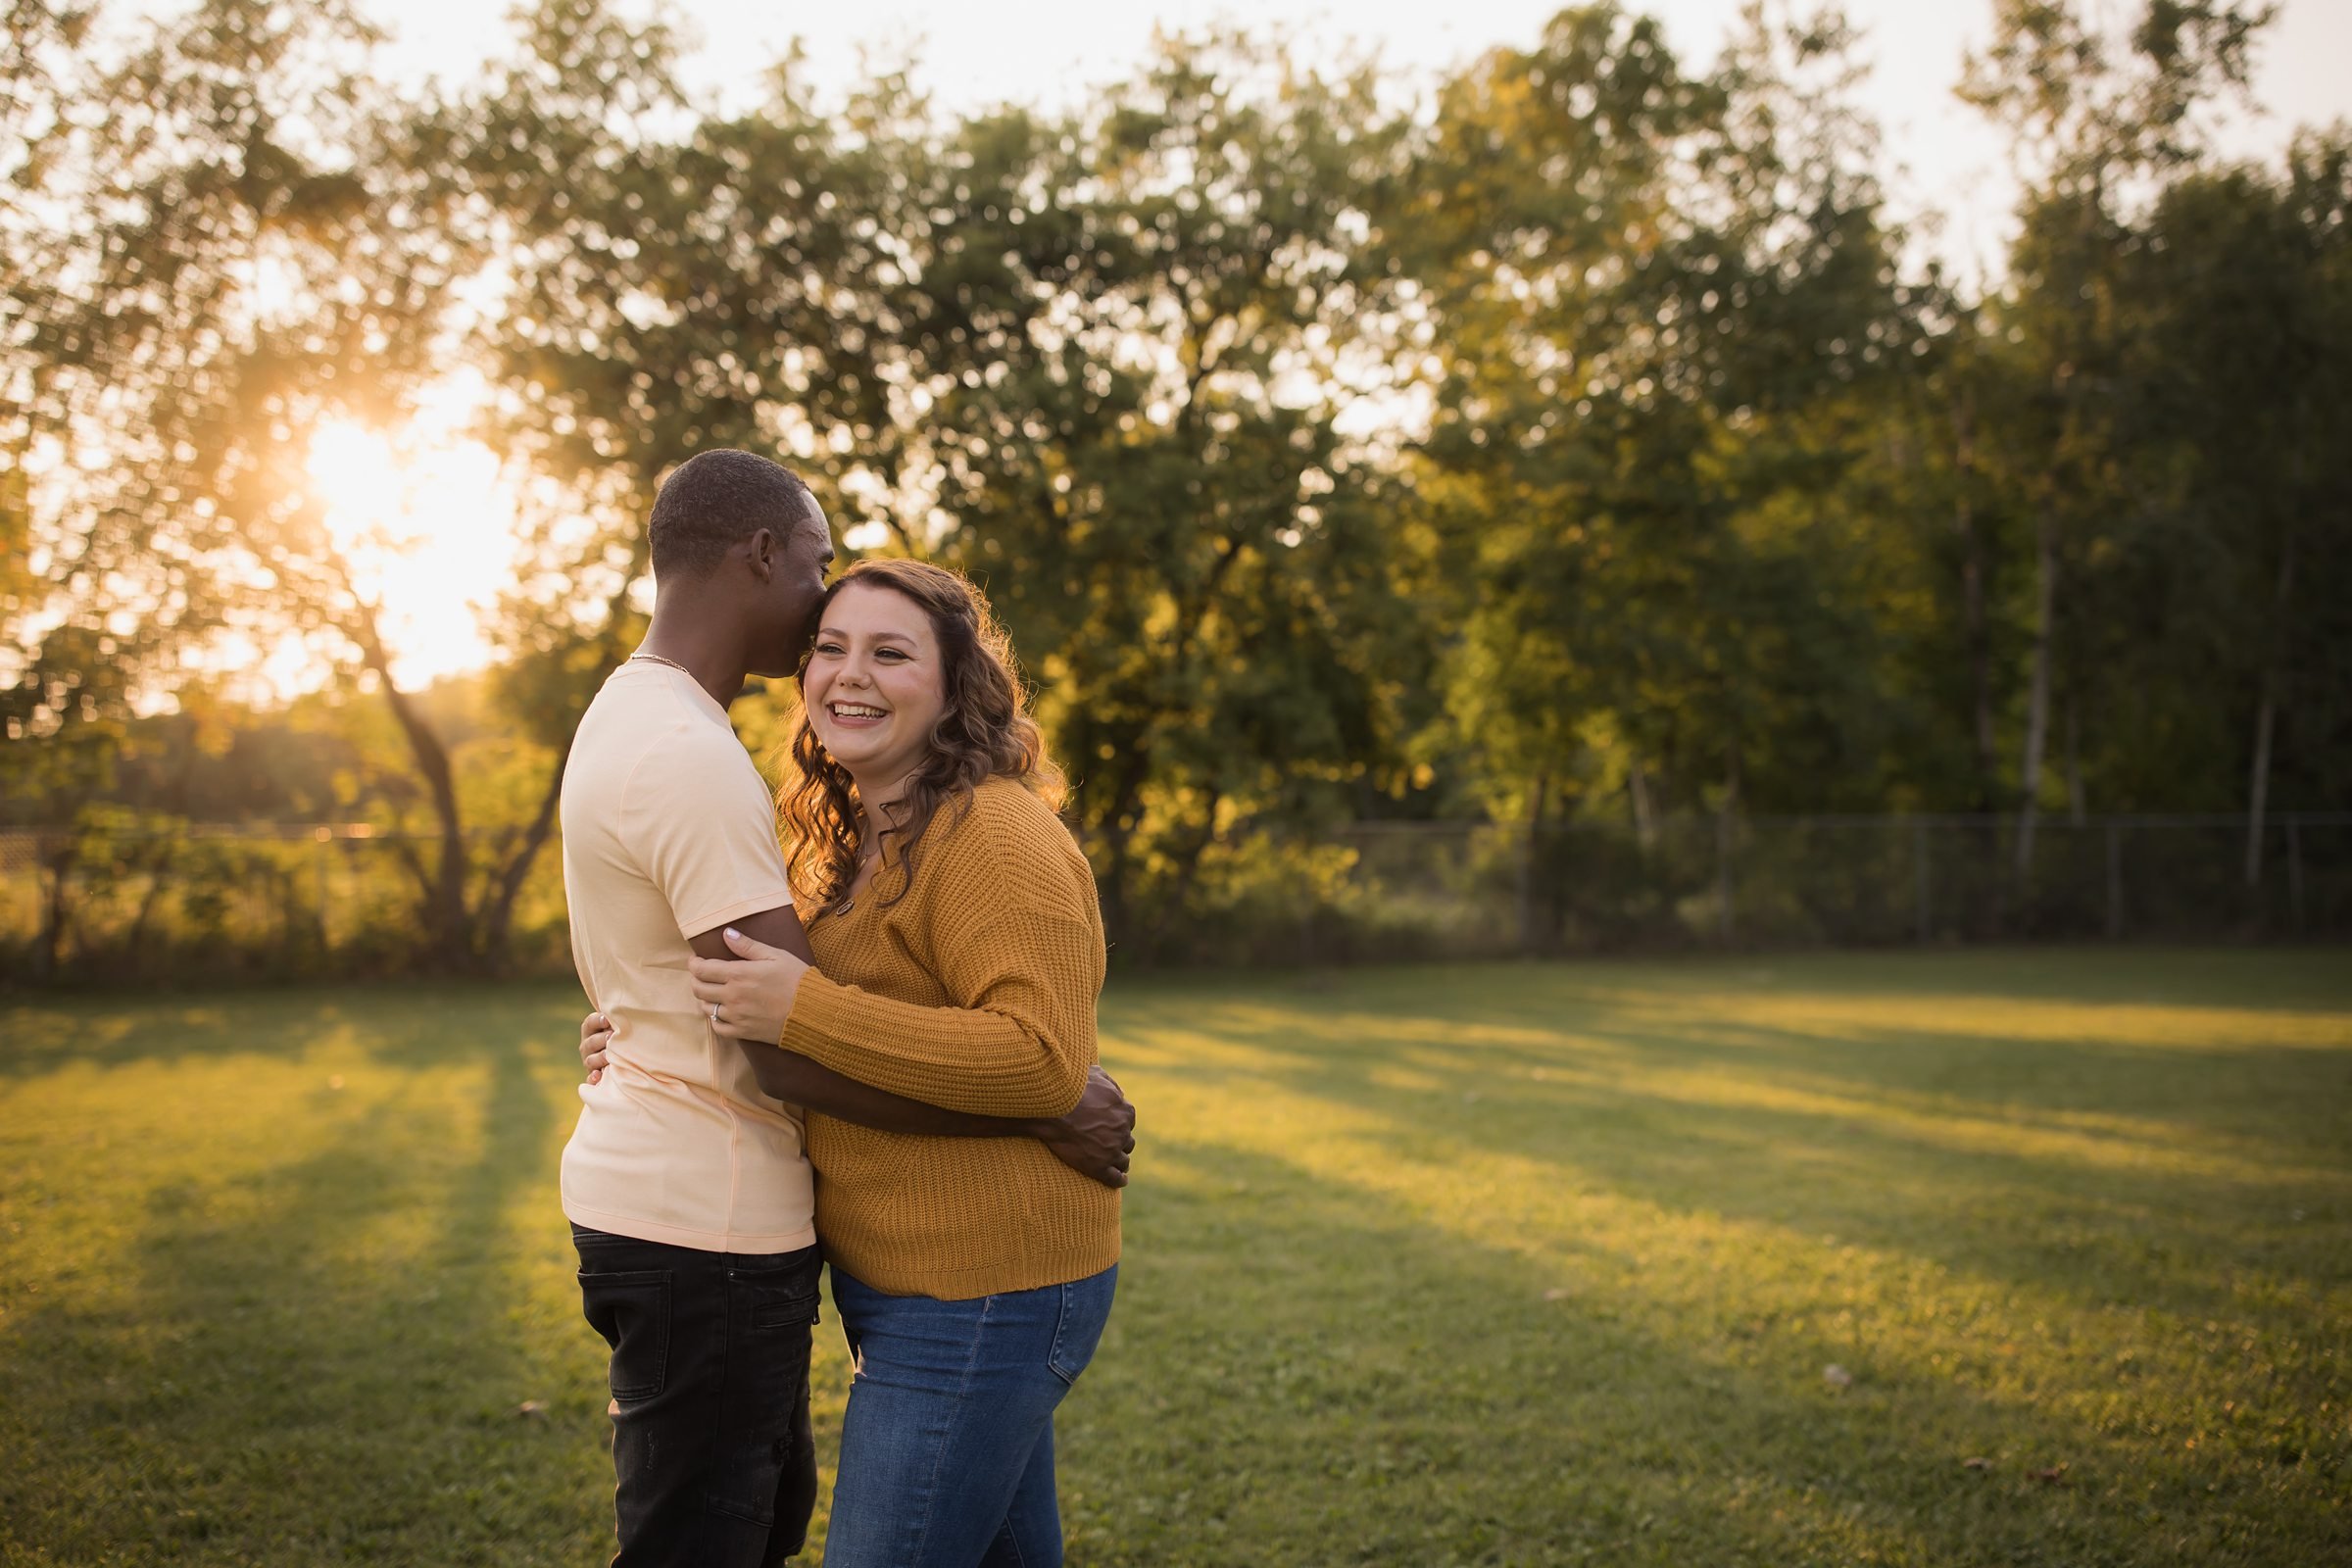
(690, 1198)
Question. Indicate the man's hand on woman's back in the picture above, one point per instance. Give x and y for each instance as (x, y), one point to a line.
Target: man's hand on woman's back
(1096, 1138)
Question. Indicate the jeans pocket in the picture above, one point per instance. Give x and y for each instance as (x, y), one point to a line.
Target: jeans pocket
(783, 1306)
(778, 1293)
(1085, 1309)
(632, 1310)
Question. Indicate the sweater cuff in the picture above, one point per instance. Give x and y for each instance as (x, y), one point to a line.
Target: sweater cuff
(821, 1009)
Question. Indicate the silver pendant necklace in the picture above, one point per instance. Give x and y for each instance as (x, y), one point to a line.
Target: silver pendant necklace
(657, 658)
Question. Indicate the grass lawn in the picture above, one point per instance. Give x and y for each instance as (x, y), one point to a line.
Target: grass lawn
(1498, 1264)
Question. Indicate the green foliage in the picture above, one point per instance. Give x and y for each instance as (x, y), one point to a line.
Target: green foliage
(1660, 377)
(1137, 348)
(1570, 442)
(2231, 570)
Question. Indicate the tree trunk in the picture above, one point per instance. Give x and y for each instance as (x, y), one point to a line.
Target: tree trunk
(1530, 847)
(2258, 788)
(57, 908)
(2037, 710)
(1972, 595)
(1637, 789)
(2074, 812)
(448, 941)
(156, 869)
(496, 926)
(1726, 925)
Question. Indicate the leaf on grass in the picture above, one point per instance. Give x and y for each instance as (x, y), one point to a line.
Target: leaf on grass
(1975, 1464)
(530, 1407)
(1836, 1376)
(2049, 1477)
(1558, 1293)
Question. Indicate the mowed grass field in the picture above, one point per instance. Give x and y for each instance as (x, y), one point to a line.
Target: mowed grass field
(1496, 1265)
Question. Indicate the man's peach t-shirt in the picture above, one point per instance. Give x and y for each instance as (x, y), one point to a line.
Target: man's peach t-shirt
(669, 832)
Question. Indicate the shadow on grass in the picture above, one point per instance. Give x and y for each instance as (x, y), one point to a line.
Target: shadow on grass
(418, 1023)
(2162, 1232)
(1304, 1372)
(324, 1360)
(1949, 1150)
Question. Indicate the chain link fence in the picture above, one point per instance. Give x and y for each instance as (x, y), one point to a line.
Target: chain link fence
(129, 902)
(1458, 891)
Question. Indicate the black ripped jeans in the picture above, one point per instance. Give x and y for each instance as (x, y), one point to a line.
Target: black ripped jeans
(713, 1457)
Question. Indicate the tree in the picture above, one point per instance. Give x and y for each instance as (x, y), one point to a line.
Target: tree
(1127, 342)
(249, 237)
(2235, 299)
(2086, 121)
(1666, 300)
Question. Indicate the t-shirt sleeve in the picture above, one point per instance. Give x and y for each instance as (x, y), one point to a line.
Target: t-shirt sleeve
(700, 824)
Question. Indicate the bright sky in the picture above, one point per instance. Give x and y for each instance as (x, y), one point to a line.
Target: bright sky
(430, 520)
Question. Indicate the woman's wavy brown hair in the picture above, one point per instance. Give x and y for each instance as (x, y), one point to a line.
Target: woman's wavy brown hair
(984, 731)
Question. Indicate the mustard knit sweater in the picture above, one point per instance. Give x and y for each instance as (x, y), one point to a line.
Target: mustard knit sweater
(975, 992)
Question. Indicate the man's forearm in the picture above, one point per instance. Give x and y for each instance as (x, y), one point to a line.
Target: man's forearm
(799, 1081)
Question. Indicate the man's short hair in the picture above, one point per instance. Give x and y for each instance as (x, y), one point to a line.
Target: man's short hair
(716, 499)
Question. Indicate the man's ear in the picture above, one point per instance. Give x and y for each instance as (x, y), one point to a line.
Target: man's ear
(765, 548)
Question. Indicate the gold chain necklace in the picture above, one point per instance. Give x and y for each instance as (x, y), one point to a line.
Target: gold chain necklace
(865, 856)
(657, 658)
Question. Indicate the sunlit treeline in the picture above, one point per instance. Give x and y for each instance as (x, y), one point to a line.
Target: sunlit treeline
(1571, 440)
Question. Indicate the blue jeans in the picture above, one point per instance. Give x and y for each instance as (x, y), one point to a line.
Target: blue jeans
(947, 1453)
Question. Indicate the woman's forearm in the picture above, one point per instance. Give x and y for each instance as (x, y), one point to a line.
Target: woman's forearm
(1021, 1055)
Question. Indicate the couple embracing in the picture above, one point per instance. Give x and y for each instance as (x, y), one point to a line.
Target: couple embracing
(877, 1036)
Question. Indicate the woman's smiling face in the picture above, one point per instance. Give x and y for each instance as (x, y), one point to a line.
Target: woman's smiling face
(875, 684)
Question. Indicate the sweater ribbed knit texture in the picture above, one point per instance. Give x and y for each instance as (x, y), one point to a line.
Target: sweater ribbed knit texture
(975, 991)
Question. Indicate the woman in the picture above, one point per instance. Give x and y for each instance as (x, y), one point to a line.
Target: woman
(958, 954)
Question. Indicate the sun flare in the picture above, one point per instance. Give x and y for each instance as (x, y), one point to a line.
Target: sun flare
(426, 521)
